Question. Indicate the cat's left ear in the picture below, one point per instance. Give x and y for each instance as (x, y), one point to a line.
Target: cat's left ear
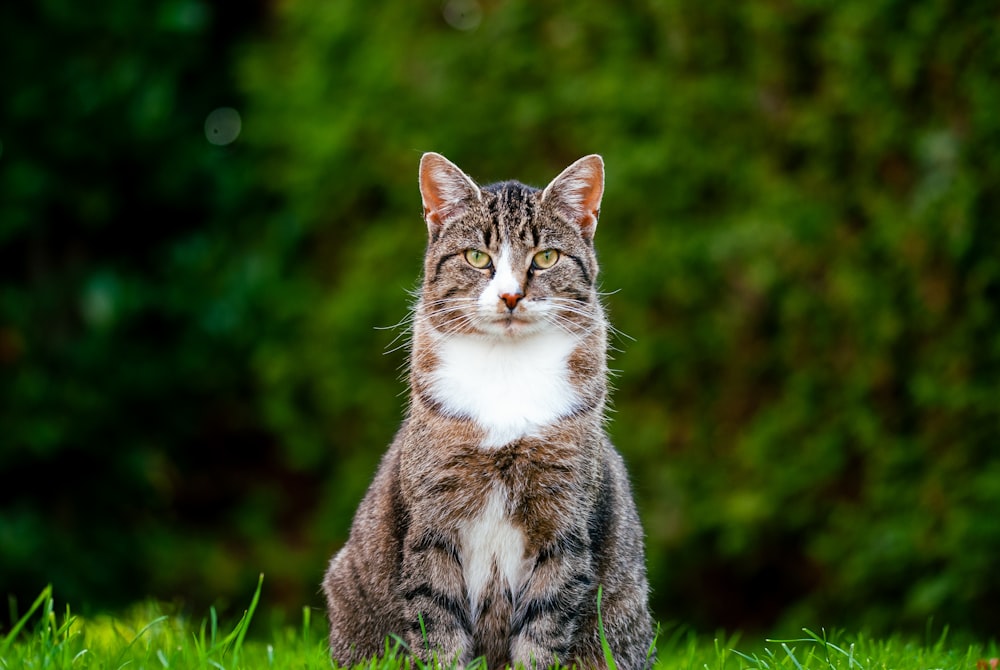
(446, 191)
(576, 193)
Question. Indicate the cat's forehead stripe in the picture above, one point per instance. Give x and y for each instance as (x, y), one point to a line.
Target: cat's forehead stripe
(512, 210)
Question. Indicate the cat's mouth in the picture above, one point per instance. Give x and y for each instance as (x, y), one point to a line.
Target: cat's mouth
(511, 324)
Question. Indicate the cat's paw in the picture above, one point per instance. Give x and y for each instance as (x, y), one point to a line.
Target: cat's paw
(531, 656)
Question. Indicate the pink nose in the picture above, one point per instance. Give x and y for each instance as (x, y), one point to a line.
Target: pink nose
(511, 299)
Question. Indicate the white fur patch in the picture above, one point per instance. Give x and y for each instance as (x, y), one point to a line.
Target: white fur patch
(503, 281)
(511, 387)
(490, 540)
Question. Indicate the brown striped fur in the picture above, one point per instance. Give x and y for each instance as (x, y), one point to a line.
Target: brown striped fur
(557, 487)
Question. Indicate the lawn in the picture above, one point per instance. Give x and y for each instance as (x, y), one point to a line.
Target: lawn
(146, 637)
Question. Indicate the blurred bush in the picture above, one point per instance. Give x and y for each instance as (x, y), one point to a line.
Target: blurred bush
(799, 221)
(135, 289)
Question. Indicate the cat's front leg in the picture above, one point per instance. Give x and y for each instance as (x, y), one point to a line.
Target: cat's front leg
(552, 604)
(433, 593)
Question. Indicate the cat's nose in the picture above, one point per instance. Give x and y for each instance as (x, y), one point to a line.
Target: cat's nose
(511, 299)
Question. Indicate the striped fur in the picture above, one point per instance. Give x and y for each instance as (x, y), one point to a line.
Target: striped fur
(501, 506)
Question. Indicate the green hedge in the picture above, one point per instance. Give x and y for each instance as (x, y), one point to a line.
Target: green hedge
(798, 232)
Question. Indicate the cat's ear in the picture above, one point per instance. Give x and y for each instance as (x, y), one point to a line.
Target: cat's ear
(446, 191)
(576, 193)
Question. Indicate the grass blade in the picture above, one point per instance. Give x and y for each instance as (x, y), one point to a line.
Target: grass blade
(45, 596)
(788, 651)
(135, 638)
(235, 639)
(248, 616)
(605, 647)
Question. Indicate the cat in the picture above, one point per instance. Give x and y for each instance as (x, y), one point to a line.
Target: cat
(501, 506)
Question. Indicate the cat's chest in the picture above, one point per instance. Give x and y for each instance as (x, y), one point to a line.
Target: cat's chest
(510, 389)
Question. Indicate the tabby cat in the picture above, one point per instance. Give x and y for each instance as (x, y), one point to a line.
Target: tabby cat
(501, 506)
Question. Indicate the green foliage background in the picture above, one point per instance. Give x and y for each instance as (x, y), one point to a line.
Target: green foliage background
(799, 230)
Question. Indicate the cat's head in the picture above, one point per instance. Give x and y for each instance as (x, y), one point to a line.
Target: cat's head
(508, 260)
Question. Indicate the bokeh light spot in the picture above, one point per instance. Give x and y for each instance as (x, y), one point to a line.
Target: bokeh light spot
(222, 126)
(462, 14)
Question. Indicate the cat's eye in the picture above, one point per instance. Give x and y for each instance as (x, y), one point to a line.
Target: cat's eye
(543, 260)
(478, 259)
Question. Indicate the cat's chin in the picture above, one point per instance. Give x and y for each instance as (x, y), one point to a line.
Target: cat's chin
(511, 327)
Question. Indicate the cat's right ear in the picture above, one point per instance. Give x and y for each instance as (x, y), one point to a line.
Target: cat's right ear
(446, 191)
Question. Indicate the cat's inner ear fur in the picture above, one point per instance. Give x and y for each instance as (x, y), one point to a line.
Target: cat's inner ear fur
(576, 193)
(447, 192)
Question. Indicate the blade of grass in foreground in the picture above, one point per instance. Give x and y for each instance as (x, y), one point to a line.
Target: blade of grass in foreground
(239, 633)
(44, 597)
(609, 657)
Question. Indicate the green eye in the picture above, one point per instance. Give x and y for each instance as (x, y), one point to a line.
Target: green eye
(543, 260)
(478, 259)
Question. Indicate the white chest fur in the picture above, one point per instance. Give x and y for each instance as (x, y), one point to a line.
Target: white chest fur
(492, 548)
(510, 388)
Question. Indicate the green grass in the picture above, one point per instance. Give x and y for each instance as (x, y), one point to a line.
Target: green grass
(146, 637)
